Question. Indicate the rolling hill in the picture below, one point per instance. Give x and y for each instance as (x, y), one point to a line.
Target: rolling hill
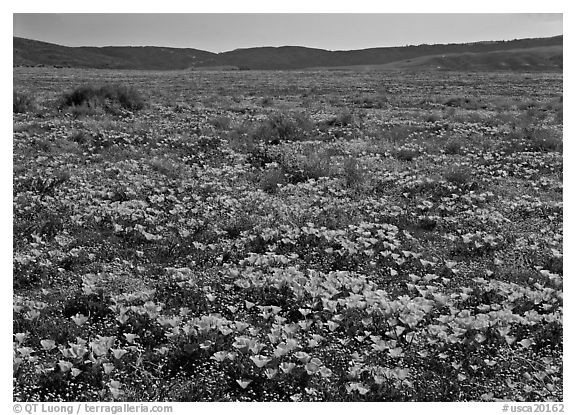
(32, 52)
(529, 59)
(524, 54)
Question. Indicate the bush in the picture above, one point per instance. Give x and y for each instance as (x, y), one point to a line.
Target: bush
(166, 167)
(266, 101)
(464, 102)
(453, 147)
(377, 100)
(22, 103)
(533, 140)
(104, 97)
(432, 118)
(221, 122)
(343, 119)
(310, 165)
(271, 179)
(544, 139)
(353, 175)
(399, 134)
(315, 166)
(458, 176)
(283, 127)
(406, 154)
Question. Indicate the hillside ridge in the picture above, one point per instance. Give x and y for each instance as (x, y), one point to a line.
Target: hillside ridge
(545, 54)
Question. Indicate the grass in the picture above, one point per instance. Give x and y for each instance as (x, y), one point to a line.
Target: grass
(246, 250)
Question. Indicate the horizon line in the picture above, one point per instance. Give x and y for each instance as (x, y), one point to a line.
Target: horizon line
(294, 46)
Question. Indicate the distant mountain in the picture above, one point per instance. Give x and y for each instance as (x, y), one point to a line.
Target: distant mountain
(523, 54)
(32, 52)
(547, 58)
(543, 58)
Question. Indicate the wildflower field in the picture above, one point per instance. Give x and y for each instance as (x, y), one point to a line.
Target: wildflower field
(287, 236)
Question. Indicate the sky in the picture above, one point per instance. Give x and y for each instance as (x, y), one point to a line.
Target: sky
(219, 32)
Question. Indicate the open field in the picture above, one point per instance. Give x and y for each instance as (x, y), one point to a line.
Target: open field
(292, 236)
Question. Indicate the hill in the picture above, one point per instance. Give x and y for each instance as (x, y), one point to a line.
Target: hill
(523, 54)
(548, 58)
(32, 52)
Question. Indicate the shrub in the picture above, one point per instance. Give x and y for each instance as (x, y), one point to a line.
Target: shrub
(315, 165)
(544, 139)
(270, 180)
(166, 167)
(464, 102)
(266, 101)
(432, 118)
(353, 175)
(533, 140)
(22, 103)
(283, 127)
(378, 100)
(406, 154)
(453, 147)
(311, 165)
(458, 176)
(399, 133)
(559, 114)
(221, 122)
(344, 119)
(44, 185)
(104, 97)
(529, 119)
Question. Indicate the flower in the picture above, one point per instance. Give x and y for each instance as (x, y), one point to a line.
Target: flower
(48, 344)
(65, 365)
(260, 361)
(79, 319)
(130, 337)
(108, 368)
(243, 383)
(118, 353)
(287, 367)
(115, 388)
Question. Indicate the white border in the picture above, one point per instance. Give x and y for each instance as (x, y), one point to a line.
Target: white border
(295, 6)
